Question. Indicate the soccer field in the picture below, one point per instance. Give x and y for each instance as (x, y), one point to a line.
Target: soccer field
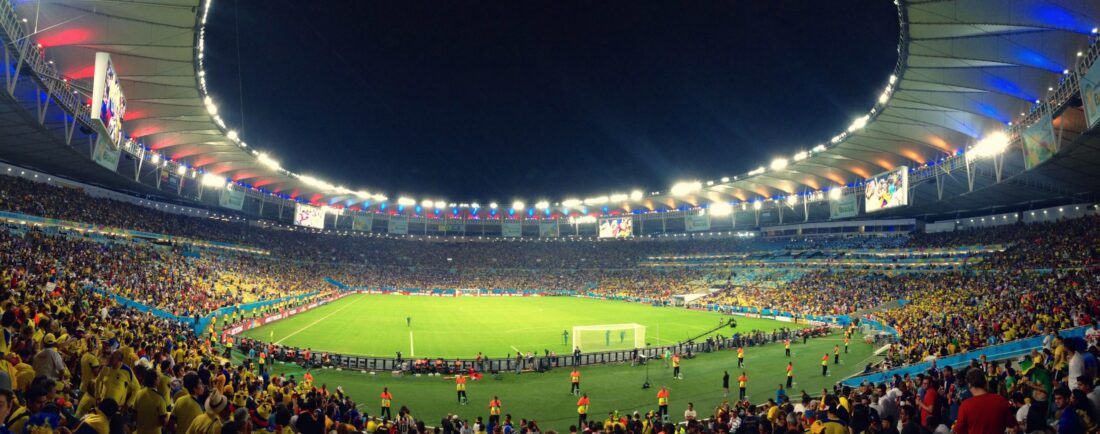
(382, 325)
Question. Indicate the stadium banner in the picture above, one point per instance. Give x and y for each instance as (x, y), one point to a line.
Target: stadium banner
(511, 229)
(399, 225)
(104, 154)
(549, 230)
(451, 227)
(887, 190)
(361, 223)
(845, 207)
(108, 102)
(619, 227)
(231, 198)
(1039, 142)
(696, 223)
(1090, 94)
(309, 216)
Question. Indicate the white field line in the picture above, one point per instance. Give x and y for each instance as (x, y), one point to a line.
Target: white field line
(412, 351)
(315, 322)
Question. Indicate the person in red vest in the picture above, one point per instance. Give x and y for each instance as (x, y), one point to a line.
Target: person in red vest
(662, 403)
(742, 382)
(460, 386)
(582, 411)
(676, 367)
(494, 411)
(575, 379)
(825, 365)
(386, 399)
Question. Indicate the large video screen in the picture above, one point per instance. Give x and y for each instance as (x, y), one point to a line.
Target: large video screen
(309, 216)
(621, 227)
(887, 190)
(108, 102)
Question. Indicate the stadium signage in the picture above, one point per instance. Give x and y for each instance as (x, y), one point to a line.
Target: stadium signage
(1039, 142)
(845, 207)
(695, 223)
(887, 190)
(1090, 94)
(108, 101)
(309, 216)
(619, 227)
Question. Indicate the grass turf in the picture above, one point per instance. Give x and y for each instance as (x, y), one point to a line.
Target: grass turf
(497, 326)
(544, 396)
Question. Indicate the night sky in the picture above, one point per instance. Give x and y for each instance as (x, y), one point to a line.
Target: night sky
(490, 100)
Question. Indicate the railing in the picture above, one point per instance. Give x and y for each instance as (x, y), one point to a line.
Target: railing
(44, 71)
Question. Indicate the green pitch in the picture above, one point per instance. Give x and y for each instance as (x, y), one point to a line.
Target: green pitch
(382, 325)
(376, 324)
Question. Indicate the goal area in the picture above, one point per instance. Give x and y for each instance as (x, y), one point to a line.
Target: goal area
(608, 337)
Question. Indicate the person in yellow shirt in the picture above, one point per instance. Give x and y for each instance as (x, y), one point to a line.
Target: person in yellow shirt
(187, 407)
(98, 421)
(662, 402)
(116, 381)
(150, 408)
(582, 411)
(494, 411)
(676, 367)
(216, 414)
(35, 399)
(89, 372)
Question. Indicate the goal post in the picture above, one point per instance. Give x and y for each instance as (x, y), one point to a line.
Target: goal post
(607, 337)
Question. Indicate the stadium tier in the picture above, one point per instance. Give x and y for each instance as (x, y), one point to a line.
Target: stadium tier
(932, 268)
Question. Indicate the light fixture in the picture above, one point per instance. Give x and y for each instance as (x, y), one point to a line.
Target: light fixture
(721, 209)
(518, 205)
(685, 188)
(779, 164)
(836, 193)
(637, 195)
(993, 144)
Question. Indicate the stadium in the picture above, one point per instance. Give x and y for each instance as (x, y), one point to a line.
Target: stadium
(931, 266)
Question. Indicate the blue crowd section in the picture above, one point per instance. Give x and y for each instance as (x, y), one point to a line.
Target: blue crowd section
(1003, 351)
(202, 322)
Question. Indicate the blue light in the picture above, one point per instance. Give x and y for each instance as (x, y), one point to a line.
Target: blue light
(546, 211)
(400, 208)
(382, 206)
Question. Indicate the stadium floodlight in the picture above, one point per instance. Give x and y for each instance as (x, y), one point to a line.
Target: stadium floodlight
(725, 179)
(779, 164)
(836, 193)
(819, 148)
(266, 160)
(617, 197)
(439, 204)
(721, 209)
(636, 195)
(427, 203)
(518, 205)
(801, 156)
(859, 123)
(475, 205)
(893, 79)
(212, 180)
(792, 200)
(757, 205)
(571, 203)
(686, 188)
(493, 205)
(756, 171)
(542, 204)
(362, 194)
(232, 134)
(381, 197)
(155, 158)
(181, 170)
(598, 200)
(993, 144)
(404, 201)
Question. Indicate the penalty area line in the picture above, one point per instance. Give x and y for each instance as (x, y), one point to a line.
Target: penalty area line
(412, 350)
(315, 322)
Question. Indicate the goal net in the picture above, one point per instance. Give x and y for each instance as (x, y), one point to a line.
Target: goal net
(607, 337)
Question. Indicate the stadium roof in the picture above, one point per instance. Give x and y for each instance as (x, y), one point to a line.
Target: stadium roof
(966, 69)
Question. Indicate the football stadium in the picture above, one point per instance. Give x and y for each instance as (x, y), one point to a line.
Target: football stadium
(928, 265)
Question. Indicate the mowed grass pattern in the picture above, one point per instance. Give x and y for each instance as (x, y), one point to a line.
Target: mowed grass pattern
(496, 326)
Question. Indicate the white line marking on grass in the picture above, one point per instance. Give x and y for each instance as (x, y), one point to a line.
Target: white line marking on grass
(315, 322)
(412, 350)
(517, 349)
